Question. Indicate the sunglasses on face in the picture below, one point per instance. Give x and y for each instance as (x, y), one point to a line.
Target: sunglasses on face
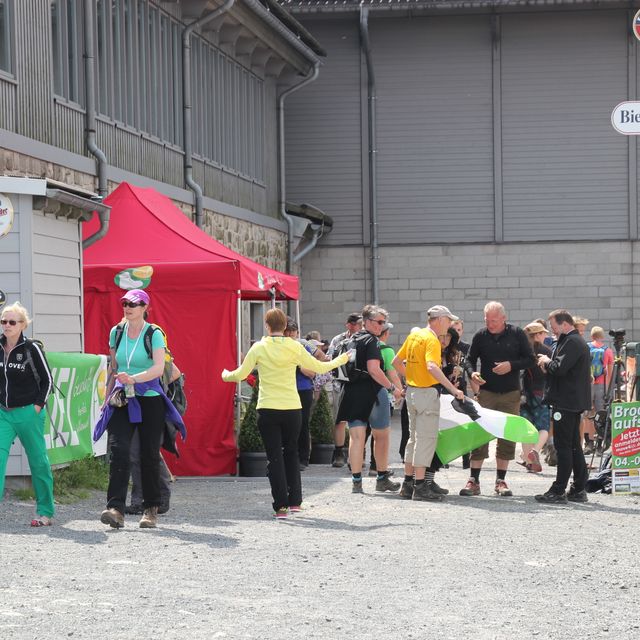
(380, 322)
(132, 305)
(13, 323)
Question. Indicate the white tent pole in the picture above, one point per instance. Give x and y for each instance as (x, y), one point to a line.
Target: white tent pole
(239, 359)
(298, 316)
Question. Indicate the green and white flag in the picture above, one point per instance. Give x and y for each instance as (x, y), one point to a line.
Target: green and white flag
(459, 434)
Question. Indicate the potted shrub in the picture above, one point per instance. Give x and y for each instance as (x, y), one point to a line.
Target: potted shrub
(253, 459)
(321, 429)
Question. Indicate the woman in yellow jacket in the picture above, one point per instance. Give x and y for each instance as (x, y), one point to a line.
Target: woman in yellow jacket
(279, 408)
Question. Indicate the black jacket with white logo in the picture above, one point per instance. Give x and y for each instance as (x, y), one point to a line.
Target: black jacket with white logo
(24, 375)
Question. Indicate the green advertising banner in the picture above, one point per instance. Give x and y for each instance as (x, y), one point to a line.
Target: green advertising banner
(625, 447)
(74, 406)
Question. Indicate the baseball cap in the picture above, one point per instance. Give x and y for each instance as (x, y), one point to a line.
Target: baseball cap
(353, 318)
(137, 295)
(535, 327)
(440, 311)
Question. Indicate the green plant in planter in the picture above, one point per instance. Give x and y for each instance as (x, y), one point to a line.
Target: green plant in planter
(249, 438)
(321, 423)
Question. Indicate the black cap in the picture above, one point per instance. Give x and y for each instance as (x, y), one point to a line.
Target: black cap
(354, 317)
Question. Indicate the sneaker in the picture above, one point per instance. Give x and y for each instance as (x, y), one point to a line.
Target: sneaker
(423, 491)
(282, 513)
(472, 488)
(356, 486)
(149, 518)
(502, 489)
(406, 491)
(550, 497)
(134, 510)
(577, 496)
(386, 484)
(534, 460)
(113, 518)
(438, 489)
(296, 508)
(338, 459)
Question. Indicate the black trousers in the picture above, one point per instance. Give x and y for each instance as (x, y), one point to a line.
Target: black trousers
(120, 433)
(304, 440)
(566, 439)
(280, 430)
(404, 425)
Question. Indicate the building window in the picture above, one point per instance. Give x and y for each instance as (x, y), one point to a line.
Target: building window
(6, 36)
(67, 44)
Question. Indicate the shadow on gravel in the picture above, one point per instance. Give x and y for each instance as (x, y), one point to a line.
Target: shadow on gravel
(336, 525)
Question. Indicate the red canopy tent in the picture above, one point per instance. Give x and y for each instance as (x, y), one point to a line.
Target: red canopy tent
(195, 291)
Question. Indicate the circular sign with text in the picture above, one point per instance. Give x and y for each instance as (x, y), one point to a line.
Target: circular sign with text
(6, 215)
(636, 25)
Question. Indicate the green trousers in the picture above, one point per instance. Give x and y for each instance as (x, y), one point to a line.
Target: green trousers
(28, 426)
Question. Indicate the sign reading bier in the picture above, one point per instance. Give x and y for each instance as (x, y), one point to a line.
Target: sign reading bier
(6, 215)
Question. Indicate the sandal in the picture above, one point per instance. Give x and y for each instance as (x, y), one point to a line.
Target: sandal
(41, 521)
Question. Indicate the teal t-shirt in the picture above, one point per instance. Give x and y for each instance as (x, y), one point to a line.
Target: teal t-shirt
(131, 355)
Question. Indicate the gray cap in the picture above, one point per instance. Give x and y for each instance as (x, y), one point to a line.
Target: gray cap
(387, 326)
(440, 311)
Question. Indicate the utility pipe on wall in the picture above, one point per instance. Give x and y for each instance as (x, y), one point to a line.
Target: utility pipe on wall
(281, 159)
(90, 120)
(186, 110)
(371, 121)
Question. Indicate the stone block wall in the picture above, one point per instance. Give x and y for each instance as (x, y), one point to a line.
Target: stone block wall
(262, 244)
(597, 280)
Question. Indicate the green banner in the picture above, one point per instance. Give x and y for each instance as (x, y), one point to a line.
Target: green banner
(625, 447)
(74, 405)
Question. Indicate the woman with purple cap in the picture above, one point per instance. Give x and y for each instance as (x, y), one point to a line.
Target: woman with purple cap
(136, 401)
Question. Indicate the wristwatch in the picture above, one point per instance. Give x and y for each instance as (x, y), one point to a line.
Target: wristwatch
(392, 388)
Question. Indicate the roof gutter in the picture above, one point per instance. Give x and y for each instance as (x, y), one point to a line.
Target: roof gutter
(282, 205)
(90, 122)
(365, 45)
(187, 106)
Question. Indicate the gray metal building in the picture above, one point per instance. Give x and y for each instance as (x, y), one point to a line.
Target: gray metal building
(465, 152)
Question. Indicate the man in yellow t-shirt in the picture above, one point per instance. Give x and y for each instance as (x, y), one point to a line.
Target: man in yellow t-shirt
(418, 361)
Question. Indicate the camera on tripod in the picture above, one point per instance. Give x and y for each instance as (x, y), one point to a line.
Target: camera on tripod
(618, 338)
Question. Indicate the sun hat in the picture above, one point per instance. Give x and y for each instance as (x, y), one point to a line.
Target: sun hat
(535, 327)
(440, 311)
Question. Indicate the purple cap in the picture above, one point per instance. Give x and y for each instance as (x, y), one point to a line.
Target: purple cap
(136, 295)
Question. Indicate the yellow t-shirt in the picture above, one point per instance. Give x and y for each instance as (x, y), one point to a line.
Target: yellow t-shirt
(276, 359)
(419, 348)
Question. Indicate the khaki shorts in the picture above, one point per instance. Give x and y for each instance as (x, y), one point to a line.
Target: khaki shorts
(423, 406)
(508, 403)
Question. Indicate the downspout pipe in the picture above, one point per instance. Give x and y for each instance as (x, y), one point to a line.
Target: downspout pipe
(365, 44)
(187, 107)
(90, 120)
(313, 74)
(317, 234)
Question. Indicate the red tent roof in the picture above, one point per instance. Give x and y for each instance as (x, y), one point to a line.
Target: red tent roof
(146, 227)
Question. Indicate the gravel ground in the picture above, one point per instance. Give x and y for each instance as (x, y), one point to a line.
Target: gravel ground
(363, 566)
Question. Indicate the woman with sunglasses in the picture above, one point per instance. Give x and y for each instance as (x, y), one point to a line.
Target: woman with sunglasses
(25, 383)
(136, 377)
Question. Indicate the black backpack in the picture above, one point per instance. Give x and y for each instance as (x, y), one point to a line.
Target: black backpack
(350, 372)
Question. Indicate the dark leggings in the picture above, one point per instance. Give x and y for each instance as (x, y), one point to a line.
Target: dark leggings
(280, 430)
(120, 434)
(304, 441)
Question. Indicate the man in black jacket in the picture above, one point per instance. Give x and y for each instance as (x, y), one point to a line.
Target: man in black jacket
(568, 393)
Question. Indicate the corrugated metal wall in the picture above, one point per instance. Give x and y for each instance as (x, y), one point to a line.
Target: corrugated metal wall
(564, 167)
(434, 129)
(323, 141)
(475, 144)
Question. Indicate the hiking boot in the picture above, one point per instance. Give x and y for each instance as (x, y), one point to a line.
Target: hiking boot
(438, 489)
(502, 489)
(386, 484)
(534, 460)
(472, 488)
(356, 486)
(134, 510)
(338, 459)
(113, 518)
(550, 497)
(577, 496)
(406, 491)
(423, 491)
(149, 518)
